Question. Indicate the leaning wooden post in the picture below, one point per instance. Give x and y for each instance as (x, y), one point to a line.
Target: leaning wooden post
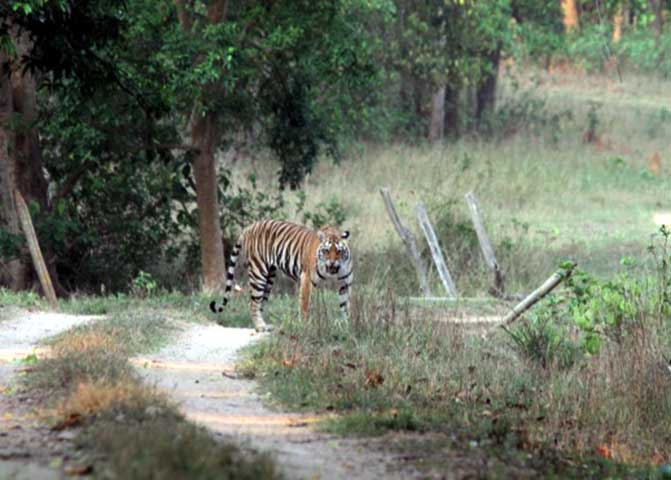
(35, 251)
(409, 241)
(436, 253)
(485, 244)
(538, 294)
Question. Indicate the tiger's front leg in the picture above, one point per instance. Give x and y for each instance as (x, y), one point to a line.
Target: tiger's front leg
(345, 284)
(304, 294)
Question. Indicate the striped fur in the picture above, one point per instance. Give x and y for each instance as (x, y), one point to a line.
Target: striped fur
(305, 255)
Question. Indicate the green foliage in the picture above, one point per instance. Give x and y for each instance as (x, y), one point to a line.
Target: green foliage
(331, 212)
(640, 50)
(543, 341)
(601, 310)
(144, 285)
(10, 245)
(24, 299)
(591, 48)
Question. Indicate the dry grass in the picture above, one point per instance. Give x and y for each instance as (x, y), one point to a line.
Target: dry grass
(90, 399)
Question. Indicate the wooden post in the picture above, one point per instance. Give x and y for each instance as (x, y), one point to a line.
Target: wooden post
(35, 251)
(409, 241)
(436, 253)
(537, 294)
(485, 245)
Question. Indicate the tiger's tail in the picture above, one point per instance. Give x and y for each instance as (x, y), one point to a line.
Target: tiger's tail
(230, 276)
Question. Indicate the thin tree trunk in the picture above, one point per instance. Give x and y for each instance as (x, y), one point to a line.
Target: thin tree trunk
(452, 92)
(618, 20)
(204, 136)
(437, 125)
(486, 93)
(657, 23)
(570, 11)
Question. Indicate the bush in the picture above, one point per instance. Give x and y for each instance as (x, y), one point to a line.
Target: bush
(639, 50)
(331, 212)
(543, 341)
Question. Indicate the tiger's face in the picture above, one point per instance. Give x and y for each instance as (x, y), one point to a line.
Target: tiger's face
(333, 255)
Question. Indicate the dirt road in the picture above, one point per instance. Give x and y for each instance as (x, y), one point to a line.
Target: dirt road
(197, 370)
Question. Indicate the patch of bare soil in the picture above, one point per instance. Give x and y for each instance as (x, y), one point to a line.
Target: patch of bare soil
(198, 371)
(29, 450)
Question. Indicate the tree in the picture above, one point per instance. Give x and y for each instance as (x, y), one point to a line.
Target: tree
(570, 17)
(204, 137)
(64, 71)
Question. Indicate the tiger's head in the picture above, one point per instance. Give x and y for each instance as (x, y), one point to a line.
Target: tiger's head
(333, 255)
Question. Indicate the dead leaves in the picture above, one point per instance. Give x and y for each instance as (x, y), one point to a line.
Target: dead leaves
(373, 379)
(67, 421)
(78, 470)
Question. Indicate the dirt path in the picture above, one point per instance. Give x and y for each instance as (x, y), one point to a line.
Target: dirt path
(28, 449)
(196, 369)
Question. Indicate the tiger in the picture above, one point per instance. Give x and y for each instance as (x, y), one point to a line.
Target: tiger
(303, 254)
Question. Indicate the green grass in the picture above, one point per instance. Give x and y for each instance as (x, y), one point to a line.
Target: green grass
(24, 299)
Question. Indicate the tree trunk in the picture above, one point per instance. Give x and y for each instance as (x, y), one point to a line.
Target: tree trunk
(16, 272)
(437, 125)
(30, 179)
(657, 23)
(570, 11)
(452, 92)
(486, 93)
(618, 20)
(204, 137)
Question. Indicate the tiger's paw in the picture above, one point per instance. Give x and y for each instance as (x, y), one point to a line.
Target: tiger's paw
(265, 328)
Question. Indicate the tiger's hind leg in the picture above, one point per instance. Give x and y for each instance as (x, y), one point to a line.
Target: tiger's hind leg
(260, 283)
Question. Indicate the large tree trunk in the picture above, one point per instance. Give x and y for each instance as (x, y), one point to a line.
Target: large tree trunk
(486, 93)
(570, 11)
(14, 273)
(204, 137)
(27, 154)
(437, 125)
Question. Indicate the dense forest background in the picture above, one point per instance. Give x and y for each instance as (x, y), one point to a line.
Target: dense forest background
(122, 122)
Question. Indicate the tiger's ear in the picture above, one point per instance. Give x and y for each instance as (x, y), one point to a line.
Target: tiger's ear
(322, 235)
(345, 234)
